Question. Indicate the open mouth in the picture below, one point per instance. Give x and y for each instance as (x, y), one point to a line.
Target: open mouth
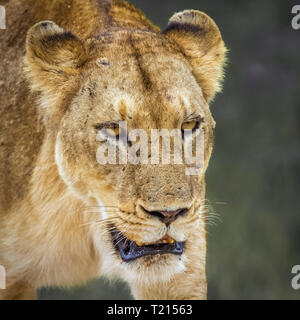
(130, 250)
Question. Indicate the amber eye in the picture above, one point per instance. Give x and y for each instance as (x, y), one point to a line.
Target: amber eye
(114, 131)
(191, 125)
(109, 129)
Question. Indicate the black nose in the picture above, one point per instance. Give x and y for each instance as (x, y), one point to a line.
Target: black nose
(167, 216)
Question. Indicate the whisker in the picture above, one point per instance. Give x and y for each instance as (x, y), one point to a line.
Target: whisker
(102, 207)
(99, 221)
(120, 240)
(101, 211)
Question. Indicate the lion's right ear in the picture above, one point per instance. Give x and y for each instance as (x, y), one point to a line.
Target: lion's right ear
(53, 56)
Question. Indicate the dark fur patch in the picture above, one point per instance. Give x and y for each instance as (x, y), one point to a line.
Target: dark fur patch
(60, 37)
(186, 27)
(145, 76)
(45, 24)
(104, 9)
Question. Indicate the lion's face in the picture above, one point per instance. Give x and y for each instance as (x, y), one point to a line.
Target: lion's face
(143, 214)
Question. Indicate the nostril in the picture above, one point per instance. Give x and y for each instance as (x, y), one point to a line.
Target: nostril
(167, 216)
(153, 213)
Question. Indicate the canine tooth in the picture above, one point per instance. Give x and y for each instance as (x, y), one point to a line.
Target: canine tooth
(139, 243)
(170, 240)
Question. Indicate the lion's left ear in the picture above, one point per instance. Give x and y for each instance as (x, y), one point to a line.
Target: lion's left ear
(201, 42)
(53, 56)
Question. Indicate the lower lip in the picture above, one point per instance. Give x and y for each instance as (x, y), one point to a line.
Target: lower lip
(130, 251)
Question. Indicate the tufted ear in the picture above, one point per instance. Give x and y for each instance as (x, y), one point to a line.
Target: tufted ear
(202, 44)
(53, 56)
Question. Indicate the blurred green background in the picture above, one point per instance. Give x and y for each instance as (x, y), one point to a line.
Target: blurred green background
(253, 179)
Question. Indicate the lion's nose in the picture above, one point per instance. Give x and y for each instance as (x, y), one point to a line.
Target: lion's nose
(165, 216)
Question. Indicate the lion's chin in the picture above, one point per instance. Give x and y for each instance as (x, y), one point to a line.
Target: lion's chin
(146, 269)
(154, 268)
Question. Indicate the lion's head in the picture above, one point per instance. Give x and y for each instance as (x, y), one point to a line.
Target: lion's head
(150, 80)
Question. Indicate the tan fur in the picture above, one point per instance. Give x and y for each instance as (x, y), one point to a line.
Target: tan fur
(112, 65)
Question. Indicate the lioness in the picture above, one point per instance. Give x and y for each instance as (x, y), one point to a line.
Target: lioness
(65, 218)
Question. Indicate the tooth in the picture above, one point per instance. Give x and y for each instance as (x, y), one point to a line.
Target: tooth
(139, 243)
(170, 240)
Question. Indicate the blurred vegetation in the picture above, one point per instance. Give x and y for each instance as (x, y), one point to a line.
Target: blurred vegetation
(253, 179)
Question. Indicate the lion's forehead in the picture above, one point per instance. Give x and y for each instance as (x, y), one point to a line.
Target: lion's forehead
(162, 71)
(144, 62)
(128, 95)
(161, 106)
(148, 77)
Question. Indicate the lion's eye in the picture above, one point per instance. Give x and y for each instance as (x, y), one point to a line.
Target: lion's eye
(109, 129)
(113, 131)
(191, 125)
